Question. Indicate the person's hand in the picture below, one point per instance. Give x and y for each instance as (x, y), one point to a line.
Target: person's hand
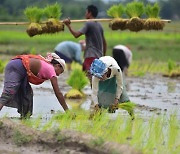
(96, 110)
(67, 21)
(113, 108)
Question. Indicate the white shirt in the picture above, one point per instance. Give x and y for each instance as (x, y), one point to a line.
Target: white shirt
(115, 71)
(127, 52)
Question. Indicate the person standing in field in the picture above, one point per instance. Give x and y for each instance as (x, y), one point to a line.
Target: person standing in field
(70, 51)
(123, 55)
(35, 69)
(94, 34)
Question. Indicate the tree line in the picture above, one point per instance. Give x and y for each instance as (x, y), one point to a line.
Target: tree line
(13, 10)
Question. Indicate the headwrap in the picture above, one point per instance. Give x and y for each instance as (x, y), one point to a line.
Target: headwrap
(98, 68)
(51, 56)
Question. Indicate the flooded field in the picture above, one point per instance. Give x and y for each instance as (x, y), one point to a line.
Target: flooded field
(153, 95)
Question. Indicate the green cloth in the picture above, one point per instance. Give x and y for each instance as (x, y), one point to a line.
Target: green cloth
(107, 93)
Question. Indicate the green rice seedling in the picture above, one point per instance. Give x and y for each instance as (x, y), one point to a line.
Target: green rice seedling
(173, 132)
(116, 11)
(153, 22)
(98, 141)
(34, 16)
(135, 10)
(53, 13)
(2, 65)
(77, 81)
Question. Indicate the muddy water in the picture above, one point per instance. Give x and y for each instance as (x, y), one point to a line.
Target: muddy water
(153, 95)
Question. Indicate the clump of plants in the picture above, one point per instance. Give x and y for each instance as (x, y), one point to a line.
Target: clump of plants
(116, 11)
(34, 15)
(77, 81)
(135, 10)
(53, 13)
(2, 66)
(153, 22)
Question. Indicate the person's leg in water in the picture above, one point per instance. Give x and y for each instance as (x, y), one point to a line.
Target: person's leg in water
(1, 106)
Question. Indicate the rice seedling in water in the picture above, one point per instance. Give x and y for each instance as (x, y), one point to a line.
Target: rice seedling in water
(116, 11)
(77, 81)
(135, 10)
(2, 66)
(34, 15)
(53, 13)
(153, 22)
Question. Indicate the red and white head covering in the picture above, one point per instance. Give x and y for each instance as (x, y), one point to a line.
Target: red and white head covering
(51, 56)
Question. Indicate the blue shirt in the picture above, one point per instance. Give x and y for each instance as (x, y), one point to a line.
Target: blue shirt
(70, 49)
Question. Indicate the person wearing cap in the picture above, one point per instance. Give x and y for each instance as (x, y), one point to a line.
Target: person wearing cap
(123, 55)
(25, 69)
(107, 83)
(94, 36)
(70, 51)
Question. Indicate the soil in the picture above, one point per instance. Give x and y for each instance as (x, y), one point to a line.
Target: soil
(152, 94)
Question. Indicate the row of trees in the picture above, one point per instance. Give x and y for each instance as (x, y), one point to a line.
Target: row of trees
(12, 10)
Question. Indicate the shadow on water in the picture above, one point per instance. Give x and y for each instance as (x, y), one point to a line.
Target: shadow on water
(152, 94)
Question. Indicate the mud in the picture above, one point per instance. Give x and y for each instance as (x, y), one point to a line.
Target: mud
(153, 95)
(64, 142)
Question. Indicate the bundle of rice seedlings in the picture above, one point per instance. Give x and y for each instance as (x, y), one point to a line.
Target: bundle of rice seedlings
(135, 10)
(116, 12)
(34, 15)
(53, 13)
(153, 22)
(77, 81)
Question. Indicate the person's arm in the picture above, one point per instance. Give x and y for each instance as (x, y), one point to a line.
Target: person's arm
(76, 34)
(58, 93)
(119, 80)
(95, 86)
(104, 46)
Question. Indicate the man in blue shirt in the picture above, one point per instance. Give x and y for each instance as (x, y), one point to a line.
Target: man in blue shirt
(70, 51)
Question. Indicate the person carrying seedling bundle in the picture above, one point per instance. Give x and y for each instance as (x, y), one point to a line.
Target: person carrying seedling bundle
(123, 55)
(108, 89)
(70, 51)
(35, 69)
(95, 41)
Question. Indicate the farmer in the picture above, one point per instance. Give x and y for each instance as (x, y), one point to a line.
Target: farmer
(25, 69)
(94, 34)
(107, 83)
(70, 51)
(123, 55)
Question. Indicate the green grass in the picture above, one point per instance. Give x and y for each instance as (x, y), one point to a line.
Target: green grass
(159, 134)
(153, 45)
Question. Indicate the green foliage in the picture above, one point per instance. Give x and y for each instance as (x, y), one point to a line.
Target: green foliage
(135, 9)
(77, 79)
(152, 11)
(2, 66)
(171, 65)
(33, 51)
(116, 11)
(34, 14)
(98, 141)
(53, 11)
(20, 139)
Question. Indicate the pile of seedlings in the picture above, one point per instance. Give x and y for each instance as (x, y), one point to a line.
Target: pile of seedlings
(77, 81)
(52, 25)
(116, 12)
(135, 11)
(153, 22)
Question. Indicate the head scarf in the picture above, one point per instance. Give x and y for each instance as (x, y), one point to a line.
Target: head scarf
(98, 68)
(51, 56)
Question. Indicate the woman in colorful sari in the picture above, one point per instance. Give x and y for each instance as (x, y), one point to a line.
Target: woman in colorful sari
(107, 83)
(35, 69)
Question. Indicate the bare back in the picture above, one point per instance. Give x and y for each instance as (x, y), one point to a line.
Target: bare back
(34, 65)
